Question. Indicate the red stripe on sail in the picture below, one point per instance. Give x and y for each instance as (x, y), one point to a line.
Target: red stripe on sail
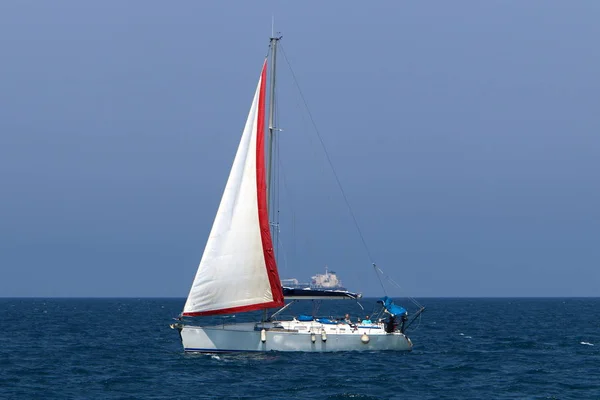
(231, 310)
(261, 187)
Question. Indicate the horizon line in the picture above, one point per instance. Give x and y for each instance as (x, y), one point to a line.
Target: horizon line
(364, 297)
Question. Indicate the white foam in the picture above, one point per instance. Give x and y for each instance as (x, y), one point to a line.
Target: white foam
(587, 343)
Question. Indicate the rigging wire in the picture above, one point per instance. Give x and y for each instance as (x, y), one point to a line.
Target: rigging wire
(415, 302)
(379, 277)
(378, 271)
(337, 179)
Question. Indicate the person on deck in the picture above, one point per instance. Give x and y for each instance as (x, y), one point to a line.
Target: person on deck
(391, 324)
(366, 321)
(347, 319)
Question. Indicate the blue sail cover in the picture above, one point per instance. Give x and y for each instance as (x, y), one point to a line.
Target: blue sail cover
(392, 308)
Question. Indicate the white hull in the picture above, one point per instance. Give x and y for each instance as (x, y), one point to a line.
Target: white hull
(314, 337)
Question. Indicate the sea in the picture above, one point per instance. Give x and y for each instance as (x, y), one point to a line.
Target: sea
(469, 348)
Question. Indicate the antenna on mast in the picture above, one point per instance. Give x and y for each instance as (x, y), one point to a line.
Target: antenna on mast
(272, 25)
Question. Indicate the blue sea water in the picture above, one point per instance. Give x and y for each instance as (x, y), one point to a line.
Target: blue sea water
(463, 349)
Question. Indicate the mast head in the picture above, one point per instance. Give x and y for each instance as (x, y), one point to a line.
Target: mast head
(273, 37)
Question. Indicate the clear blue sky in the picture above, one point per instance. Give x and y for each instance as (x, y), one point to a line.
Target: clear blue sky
(466, 135)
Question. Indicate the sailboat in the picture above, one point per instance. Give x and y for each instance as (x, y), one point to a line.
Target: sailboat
(238, 269)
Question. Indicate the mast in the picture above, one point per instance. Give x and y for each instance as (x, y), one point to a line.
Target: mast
(272, 129)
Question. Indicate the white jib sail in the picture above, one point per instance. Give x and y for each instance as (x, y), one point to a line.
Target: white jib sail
(232, 274)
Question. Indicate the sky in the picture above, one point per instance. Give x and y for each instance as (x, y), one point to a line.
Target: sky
(466, 136)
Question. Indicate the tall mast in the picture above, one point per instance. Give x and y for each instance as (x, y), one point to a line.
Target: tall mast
(271, 194)
(273, 46)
